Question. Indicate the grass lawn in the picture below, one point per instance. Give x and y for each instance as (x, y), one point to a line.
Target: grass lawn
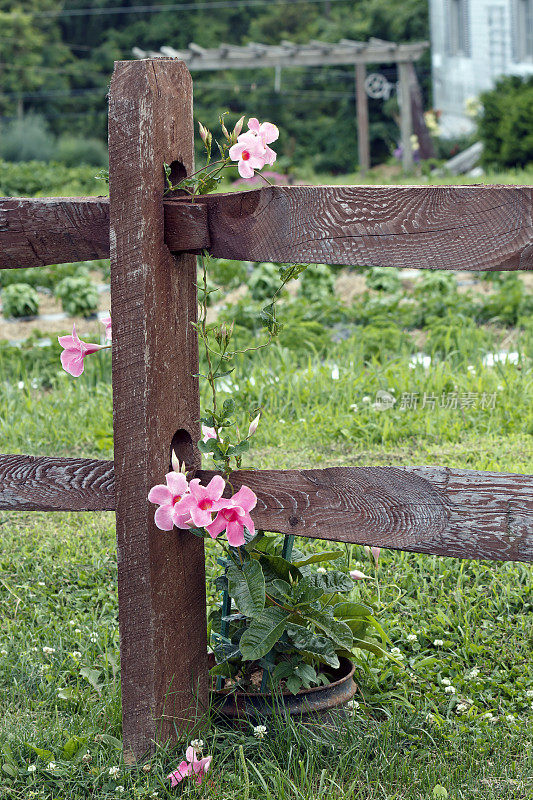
(454, 719)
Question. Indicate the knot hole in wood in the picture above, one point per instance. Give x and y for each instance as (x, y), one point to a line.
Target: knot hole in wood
(183, 445)
(177, 174)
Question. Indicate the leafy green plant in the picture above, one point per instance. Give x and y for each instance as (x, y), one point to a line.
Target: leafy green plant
(264, 280)
(228, 274)
(78, 296)
(44, 277)
(383, 279)
(20, 300)
(506, 123)
(300, 617)
(508, 304)
(317, 282)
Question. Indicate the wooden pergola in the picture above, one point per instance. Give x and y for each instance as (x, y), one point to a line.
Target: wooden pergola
(315, 54)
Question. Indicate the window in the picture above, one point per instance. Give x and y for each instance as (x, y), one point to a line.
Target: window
(524, 30)
(458, 39)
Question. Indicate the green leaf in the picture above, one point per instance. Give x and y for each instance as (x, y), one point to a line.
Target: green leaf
(263, 633)
(247, 587)
(280, 567)
(294, 683)
(306, 592)
(10, 770)
(92, 676)
(279, 589)
(112, 740)
(372, 647)
(228, 406)
(67, 694)
(317, 645)
(46, 755)
(331, 555)
(72, 746)
(351, 611)
(208, 447)
(338, 631)
(331, 582)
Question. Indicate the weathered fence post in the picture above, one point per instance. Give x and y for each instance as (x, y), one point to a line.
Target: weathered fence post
(155, 404)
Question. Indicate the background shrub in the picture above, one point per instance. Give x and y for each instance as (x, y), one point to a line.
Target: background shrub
(317, 282)
(79, 297)
(20, 300)
(26, 139)
(73, 150)
(506, 123)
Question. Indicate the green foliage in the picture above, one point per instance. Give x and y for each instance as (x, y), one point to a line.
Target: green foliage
(20, 300)
(383, 279)
(506, 123)
(27, 139)
(317, 282)
(35, 178)
(44, 277)
(228, 274)
(75, 150)
(78, 295)
(264, 281)
(508, 304)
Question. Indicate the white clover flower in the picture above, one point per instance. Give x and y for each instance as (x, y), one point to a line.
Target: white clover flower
(32, 768)
(3, 652)
(397, 653)
(41, 583)
(366, 399)
(352, 707)
(93, 637)
(51, 766)
(412, 637)
(450, 689)
(78, 630)
(446, 682)
(114, 772)
(354, 407)
(87, 758)
(510, 717)
(197, 744)
(147, 767)
(119, 789)
(260, 731)
(35, 649)
(76, 654)
(460, 708)
(72, 623)
(21, 384)
(474, 672)
(529, 693)
(438, 642)
(48, 651)
(322, 570)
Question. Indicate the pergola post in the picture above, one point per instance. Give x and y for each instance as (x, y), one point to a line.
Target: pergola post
(361, 102)
(406, 119)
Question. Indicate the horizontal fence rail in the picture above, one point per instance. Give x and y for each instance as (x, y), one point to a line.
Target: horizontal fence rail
(438, 227)
(433, 510)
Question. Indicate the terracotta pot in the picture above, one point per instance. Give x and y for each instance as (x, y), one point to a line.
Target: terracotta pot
(235, 705)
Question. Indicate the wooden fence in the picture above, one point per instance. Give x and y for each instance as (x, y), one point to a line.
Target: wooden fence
(152, 244)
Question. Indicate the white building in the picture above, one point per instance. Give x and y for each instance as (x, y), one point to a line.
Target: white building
(474, 42)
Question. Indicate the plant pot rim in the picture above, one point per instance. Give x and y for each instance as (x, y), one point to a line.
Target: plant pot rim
(344, 663)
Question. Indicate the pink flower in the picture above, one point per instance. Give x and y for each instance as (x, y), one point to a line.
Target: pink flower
(74, 352)
(173, 502)
(250, 153)
(357, 575)
(204, 501)
(267, 133)
(107, 322)
(194, 767)
(375, 551)
(234, 516)
(208, 433)
(253, 425)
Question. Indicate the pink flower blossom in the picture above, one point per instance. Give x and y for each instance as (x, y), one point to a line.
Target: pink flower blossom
(75, 351)
(267, 133)
(107, 322)
(234, 516)
(375, 551)
(194, 767)
(173, 502)
(204, 501)
(357, 575)
(253, 425)
(250, 154)
(208, 433)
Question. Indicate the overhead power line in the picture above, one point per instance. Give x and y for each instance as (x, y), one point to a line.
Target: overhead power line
(94, 12)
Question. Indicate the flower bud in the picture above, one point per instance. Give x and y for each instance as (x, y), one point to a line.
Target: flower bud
(253, 425)
(204, 133)
(176, 466)
(238, 127)
(224, 130)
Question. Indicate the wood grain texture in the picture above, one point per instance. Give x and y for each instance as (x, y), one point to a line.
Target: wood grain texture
(161, 576)
(427, 227)
(42, 483)
(437, 510)
(42, 231)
